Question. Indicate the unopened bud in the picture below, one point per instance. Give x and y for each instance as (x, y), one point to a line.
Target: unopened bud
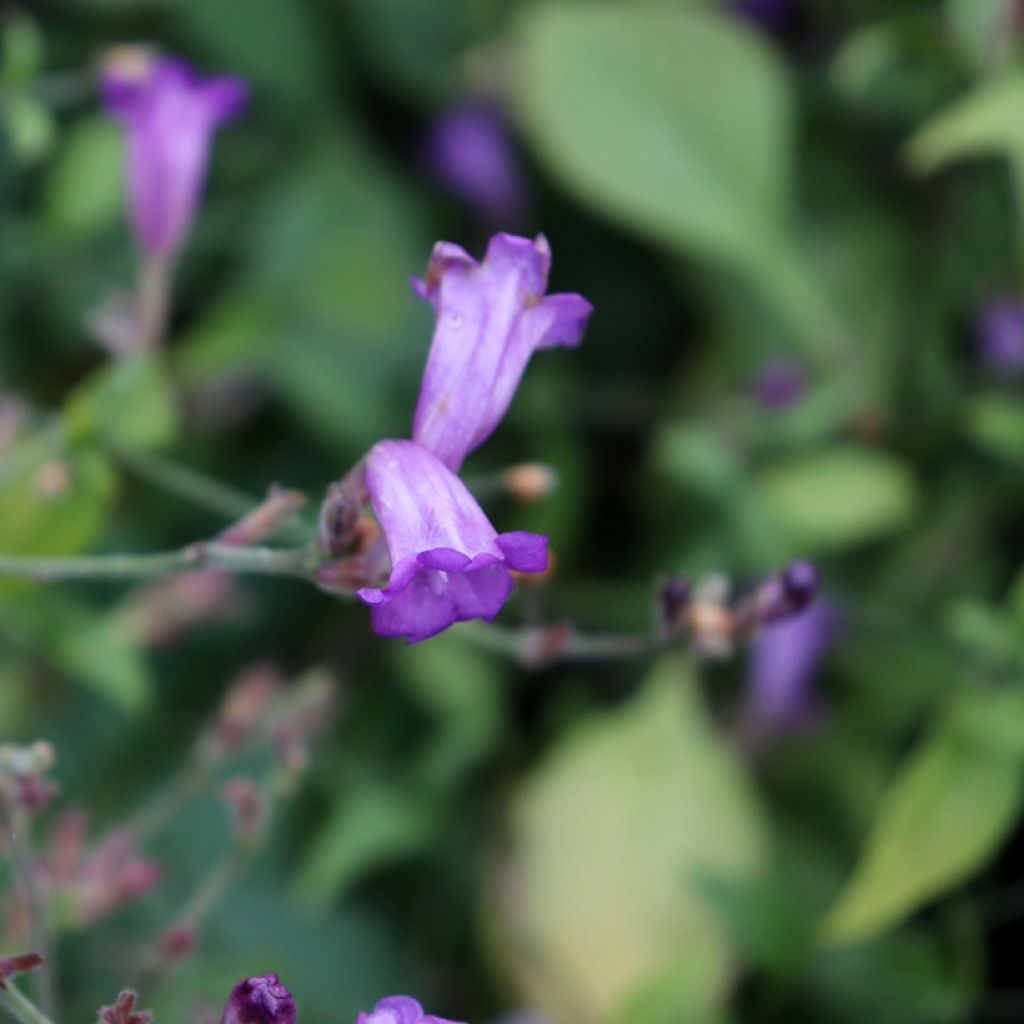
(791, 591)
(11, 965)
(176, 942)
(259, 1000)
(675, 599)
(248, 808)
(123, 1011)
(243, 711)
(529, 481)
(340, 513)
(278, 510)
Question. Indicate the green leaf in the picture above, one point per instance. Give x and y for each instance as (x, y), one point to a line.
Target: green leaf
(986, 122)
(54, 497)
(839, 497)
(128, 403)
(84, 191)
(92, 649)
(996, 422)
(616, 100)
(610, 835)
(944, 815)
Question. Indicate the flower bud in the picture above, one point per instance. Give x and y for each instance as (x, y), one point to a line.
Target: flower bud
(675, 598)
(274, 513)
(259, 1000)
(248, 810)
(123, 1011)
(11, 965)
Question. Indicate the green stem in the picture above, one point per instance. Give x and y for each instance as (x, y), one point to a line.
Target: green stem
(186, 483)
(153, 299)
(540, 646)
(299, 562)
(20, 1007)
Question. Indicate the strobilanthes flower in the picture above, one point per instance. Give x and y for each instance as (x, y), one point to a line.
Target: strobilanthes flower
(399, 1010)
(491, 317)
(1000, 335)
(469, 152)
(170, 115)
(448, 563)
(259, 1000)
(784, 659)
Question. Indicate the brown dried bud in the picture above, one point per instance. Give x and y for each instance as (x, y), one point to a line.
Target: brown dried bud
(248, 807)
(529, 481)
(11, 965)
(123, 1011)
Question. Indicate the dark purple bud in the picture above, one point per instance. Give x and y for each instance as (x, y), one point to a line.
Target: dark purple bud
(779, 384)
(675, 598)
(769, 13)
(1000, 336)
(800, 582)
(259, 1000)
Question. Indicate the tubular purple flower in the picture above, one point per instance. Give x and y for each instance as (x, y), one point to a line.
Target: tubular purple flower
(399, 1010)
(785, 657)
(447, 562)
(170, 115)
(491, 317)
(259, 1000)
(1000, 336)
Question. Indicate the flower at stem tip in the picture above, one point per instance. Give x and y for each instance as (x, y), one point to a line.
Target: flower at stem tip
(170, 115)
(259, 1000)
(448, 563)
(399, 1010)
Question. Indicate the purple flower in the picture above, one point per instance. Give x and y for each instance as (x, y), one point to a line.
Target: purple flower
(784, 660)
(469, 152)
(447, 562)
(1000, 334)
(170, 115)
(259, 1000)
(491, 316)
(399, 1010)
(779, 384)
(767, 12)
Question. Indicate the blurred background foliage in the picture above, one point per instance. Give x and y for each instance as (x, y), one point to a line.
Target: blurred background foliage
(833, 187)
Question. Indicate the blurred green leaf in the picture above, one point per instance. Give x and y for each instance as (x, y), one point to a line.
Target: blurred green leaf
(610, 834)
(943, 816)
(280, 51)
(986, 122)
(996, 422)
(615, 98)
(984, 29)
(54, 497)
(84, 190)
(839, 497)
(21, 48)
(128, 404)
(30, 127)
(370, 827)
(462, 688)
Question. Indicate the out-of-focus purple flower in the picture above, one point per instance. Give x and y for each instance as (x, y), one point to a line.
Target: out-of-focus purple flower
(448, 563)
(784, 660)
(399, 1010)
(468, 150)
(766, 12)
(779, 384)
(259, 1000)
(491, 317)
(170, 115)
(1000, 335)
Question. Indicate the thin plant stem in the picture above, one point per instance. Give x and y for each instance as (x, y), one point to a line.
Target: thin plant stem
(540, 646)
(20, 1007)
(153, 300)
(16, 827)
(260, 561)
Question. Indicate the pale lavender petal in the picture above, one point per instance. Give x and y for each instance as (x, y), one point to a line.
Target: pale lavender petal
(1000, 335)
(399, 1010)
(170, 116)
(491, 316)
(448, 562)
